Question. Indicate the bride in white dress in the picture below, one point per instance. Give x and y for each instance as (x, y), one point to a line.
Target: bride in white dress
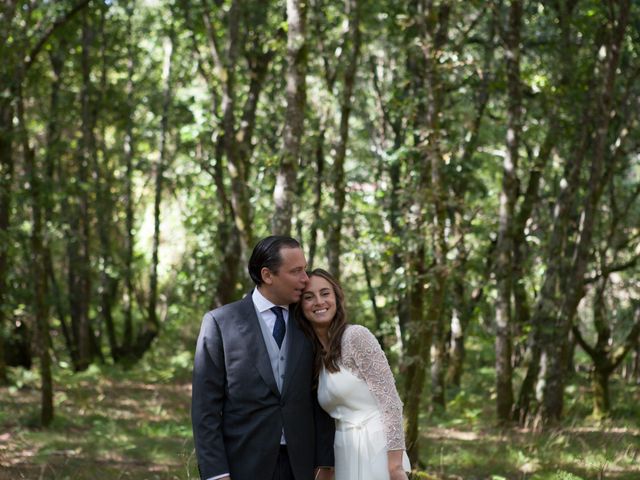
(355, 386)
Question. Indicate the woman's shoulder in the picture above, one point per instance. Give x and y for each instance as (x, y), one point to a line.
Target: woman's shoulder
(361, 352)
(357, 333)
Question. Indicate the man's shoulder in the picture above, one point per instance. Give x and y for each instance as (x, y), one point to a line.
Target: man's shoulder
(229, 309)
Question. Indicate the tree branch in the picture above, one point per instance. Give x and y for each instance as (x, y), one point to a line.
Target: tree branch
(214, 50)
(630, 342)
(582, 342)
(606, 271)
(30, 58)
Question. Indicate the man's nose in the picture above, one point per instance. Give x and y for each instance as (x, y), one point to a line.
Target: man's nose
(305, 277)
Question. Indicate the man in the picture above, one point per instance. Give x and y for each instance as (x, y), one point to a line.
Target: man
(254, 413)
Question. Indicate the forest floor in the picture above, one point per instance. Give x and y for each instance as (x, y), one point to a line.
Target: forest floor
(135, 425)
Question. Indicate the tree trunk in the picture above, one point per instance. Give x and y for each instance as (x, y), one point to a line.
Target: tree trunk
(426, 329)
(78, 247)
(566, 258)
(395, 216)
(433, 39)
(40, 307)
(334, 235)
(236, 162)
(553, 392)
(228, 239)
(522, 410)
(395, 123)
(317, 196)
(284, 193)
(456, 349)
(6, 181)
(7, 93)
(152, 325)
(371, 291)
(508, 198)
(53, 150)
(522, 309)
(464, 305)
(600, 386)
(438, 365)
(542, 315)
(440, 274)
(129, 238)
(377, 314)
(416, 356)
(105, 201)
(463, 312)
(237, 142)
(419, 329)
(103, 181)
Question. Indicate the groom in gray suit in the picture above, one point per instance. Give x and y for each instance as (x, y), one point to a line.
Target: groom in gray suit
(254, 412)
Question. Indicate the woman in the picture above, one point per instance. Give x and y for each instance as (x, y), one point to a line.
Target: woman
(355, 386)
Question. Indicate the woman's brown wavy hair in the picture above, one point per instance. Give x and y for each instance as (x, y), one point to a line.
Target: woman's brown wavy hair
(331, 357)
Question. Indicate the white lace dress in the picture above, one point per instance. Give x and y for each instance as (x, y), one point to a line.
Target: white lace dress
(363, 399)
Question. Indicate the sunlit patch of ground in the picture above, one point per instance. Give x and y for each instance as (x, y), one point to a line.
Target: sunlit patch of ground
(565, 453)
(117, 429)
(117, 425)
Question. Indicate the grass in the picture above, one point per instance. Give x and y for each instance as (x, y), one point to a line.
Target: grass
(464, 442)
(109, 423)
(114, 424)
(117, 427)
(520, 454)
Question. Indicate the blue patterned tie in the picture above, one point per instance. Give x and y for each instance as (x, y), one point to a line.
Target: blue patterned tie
(279, 328)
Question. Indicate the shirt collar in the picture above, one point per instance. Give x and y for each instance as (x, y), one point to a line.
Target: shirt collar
(262, 303)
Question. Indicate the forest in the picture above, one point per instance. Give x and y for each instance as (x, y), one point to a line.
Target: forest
(469, 171)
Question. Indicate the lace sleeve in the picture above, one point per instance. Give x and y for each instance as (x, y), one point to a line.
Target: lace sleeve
(362, 355)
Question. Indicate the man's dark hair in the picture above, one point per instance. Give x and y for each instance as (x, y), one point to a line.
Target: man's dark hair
(267, 254)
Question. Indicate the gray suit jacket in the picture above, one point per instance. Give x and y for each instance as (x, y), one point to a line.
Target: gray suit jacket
(237, 412)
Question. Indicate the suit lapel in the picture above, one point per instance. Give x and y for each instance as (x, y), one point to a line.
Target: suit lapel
(295, 344)
(249, 329)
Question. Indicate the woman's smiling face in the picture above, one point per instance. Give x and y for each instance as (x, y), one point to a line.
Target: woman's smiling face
(319, 302)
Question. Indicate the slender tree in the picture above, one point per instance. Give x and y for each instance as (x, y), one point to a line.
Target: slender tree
(8, 11)
(79, 223)
(555, 344)
(508, 196)
(40, 304)
(103, 181)
(283, 194)
(353, 37)
(152, 324)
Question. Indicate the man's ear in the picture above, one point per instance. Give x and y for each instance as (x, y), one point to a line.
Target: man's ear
(267, 275)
